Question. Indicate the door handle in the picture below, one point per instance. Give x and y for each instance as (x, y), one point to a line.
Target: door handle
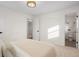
(0, 32)
(77, 42)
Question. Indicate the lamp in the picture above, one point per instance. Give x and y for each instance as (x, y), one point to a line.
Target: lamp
(31, 4)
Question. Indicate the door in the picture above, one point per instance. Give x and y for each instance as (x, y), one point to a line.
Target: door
(77, 31)
(2, 28)
(71, 31)
(36, 29)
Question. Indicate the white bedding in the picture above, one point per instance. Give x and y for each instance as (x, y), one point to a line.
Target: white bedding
(20, 52)
(0, 48)
(11, 50)
(32, 48)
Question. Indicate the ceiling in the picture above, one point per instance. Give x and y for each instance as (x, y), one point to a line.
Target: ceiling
(42, 6)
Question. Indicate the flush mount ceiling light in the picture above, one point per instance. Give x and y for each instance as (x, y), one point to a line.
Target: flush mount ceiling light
(31, 4)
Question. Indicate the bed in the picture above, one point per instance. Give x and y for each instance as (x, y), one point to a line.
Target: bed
(33, 48)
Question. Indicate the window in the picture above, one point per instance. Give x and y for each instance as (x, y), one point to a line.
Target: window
(53, 32)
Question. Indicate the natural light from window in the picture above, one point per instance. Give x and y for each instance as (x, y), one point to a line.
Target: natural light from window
(53, 32)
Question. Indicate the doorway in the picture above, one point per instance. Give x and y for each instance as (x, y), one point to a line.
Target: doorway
(29, 29)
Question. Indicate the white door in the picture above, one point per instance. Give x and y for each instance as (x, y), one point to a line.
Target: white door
(36, 29)
(1, 28)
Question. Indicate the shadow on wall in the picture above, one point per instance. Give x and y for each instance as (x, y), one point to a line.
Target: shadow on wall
(53, 32)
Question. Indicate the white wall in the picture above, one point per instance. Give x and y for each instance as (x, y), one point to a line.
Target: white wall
(52, 19)
(13, 24)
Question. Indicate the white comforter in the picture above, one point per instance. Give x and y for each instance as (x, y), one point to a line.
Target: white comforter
(32, 48)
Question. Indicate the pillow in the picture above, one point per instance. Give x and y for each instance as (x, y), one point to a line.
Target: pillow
(20, 52)
(7, 49)
(11, 50)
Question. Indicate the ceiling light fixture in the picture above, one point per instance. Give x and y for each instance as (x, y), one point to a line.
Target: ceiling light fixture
(31, 4)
